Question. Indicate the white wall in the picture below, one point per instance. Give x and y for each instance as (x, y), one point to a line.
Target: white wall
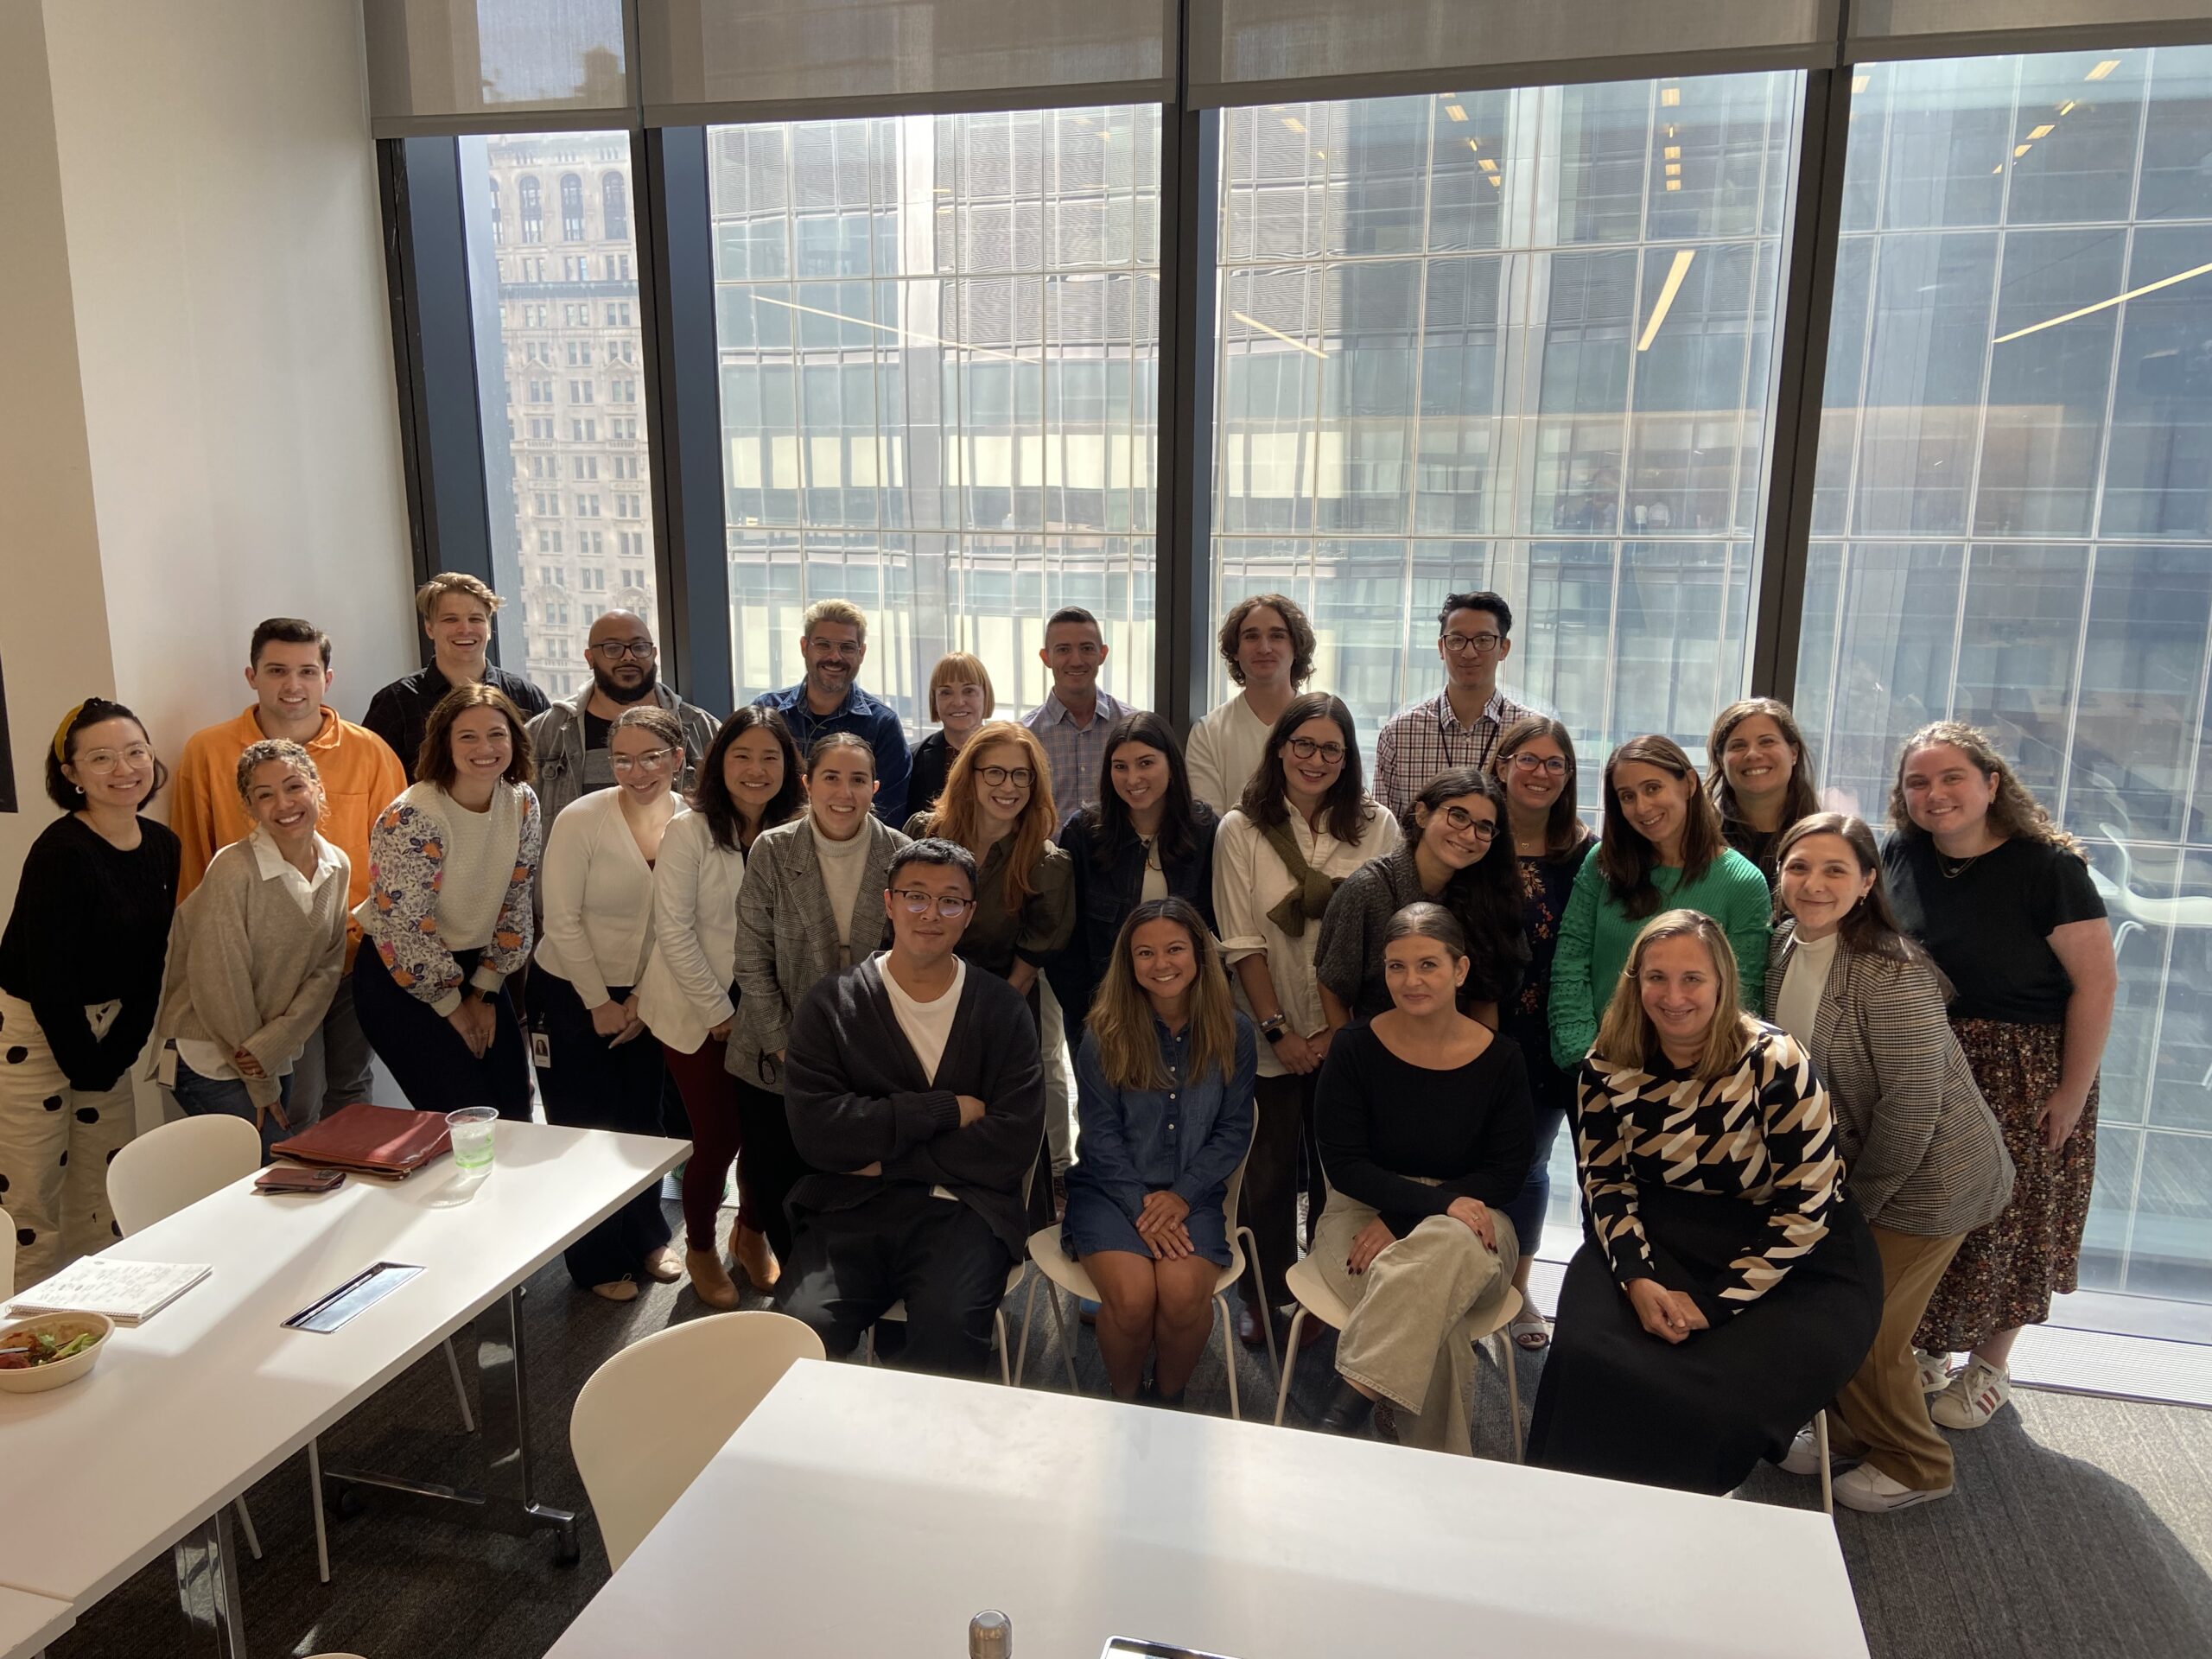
(211, 325)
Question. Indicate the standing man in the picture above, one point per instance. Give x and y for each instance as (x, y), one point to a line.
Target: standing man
(833, 643)
(916, 1081)
(1073, 719)
(456, 612)
(1459, 726)
(569, 739)
(1268, 645)
(288, 670)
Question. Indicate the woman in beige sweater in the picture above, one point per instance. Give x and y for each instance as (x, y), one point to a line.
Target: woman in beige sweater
(256, 951)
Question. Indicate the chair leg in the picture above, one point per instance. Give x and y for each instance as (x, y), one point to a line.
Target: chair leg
(1006, 1348)
(1228, 1356)
(1028, 1310)
(1827, 1476)
(1060, 1330)
(1512, 1395)
(321, 1525)
(868, 1346)
(459, 1389)
(1289, 1359)
(1267, 1320)
(245, 1525)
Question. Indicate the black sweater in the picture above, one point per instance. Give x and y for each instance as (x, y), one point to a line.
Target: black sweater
(856, 1096)
(1381, 1120)
(90, 925)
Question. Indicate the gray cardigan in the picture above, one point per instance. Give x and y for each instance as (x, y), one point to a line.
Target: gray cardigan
(1921, 1151)
(787, 938)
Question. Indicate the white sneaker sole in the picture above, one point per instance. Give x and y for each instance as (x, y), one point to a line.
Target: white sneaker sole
(1884, 1505)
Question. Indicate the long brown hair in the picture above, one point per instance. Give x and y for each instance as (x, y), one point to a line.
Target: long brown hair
(1121, 1013)
(1346, 806)
(1870, 926)
(1565, 836)
(1802, 798)
(2014, 814)
(1625, 859)
(959, 816)
(1626, 1035)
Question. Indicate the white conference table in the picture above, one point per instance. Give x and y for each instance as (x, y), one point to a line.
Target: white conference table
(27, 1623)
(185, 1412)
(877, 1512)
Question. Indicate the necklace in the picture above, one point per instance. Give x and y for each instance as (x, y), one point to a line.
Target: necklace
(1952, 871)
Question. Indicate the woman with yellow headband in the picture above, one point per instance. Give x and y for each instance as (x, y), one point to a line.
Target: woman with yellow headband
(81, 978)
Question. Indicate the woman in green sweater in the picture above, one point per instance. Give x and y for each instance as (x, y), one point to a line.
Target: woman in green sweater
(1661, 849)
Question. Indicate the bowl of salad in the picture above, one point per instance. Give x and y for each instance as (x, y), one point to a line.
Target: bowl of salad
(50, 1349)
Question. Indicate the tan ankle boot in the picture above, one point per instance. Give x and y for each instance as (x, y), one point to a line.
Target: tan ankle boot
(709, 1279)
(750, 1251)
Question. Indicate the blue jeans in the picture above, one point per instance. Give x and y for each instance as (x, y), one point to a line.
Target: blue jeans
(1526, 1212)
(227, 1096)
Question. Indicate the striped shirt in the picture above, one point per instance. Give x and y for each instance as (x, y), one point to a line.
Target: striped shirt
(1425, 738)
(1075, 753)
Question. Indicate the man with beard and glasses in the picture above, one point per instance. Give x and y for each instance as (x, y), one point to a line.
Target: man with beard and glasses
(833, 643)
(569, 739)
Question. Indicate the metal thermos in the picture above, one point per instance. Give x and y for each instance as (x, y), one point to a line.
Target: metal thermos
(990, 1636)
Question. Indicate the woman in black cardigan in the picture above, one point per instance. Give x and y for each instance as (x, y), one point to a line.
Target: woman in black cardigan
(1147, 837)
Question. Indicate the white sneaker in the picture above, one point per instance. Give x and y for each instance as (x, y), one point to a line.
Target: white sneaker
(1972, 1398)
(1804, 1455)
(1868, 1489)
(1935, 1371)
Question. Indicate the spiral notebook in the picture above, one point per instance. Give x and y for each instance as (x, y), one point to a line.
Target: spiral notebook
(129, 1293)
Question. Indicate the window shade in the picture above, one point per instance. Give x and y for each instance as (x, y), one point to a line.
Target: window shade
(496, 66)
(711, 60)
(1931, 28)
(1250, 51)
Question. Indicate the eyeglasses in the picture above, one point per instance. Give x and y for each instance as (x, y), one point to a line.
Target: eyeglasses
(1306, 748)
(1460, 644)
(1019, 776)
(615, 650)
(1460, 819)
(950, 908)
(1553, 764)
(646, 761)
(100, 762)
(837, 648)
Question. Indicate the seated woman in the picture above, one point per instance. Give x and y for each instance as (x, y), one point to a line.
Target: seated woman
(1424, 1125)
(1164, 1105)
(1927, 1161)
(1716, 1224)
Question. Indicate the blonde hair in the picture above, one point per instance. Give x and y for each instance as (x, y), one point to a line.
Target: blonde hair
(1626, 1036)
(959, 816)
(835, 610)
(2014, 814)
(453, 581)
(1121, 1013)
(960, 668)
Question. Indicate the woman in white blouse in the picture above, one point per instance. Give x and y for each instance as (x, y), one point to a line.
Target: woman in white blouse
(597, 1069)
(1306, 822)
(749, 782)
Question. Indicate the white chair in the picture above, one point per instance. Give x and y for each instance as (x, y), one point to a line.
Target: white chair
(1055, 1264)
(175, 1165)
(653, 1416)
(1008, 1374)
(1316, 1299)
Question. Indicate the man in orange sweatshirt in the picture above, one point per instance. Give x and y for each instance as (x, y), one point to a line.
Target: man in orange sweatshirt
(289, 672)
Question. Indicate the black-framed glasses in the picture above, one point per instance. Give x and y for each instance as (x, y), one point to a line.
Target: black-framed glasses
(644, 760)
(1306, 748)
(1019, 776)
(950, 906)
(615, 650)
(1458, 817)
(1553, 764)
(1460, 644)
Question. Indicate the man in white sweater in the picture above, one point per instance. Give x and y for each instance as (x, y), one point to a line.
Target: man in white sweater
(1268, 645)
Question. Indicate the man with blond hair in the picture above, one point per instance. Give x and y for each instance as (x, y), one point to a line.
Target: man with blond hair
(833, 643)
(456, 612)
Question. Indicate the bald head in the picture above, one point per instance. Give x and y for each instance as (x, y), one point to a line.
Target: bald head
(624, 665)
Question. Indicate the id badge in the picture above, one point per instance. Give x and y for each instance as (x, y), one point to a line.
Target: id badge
(541, 1049)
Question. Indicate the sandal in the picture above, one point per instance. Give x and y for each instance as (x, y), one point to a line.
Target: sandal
(1530, 1331)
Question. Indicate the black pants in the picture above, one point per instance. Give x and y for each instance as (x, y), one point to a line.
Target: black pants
(590, 1085)
(1285, 1106)
(771, 1165)
(425, 1055)
(937, 1254)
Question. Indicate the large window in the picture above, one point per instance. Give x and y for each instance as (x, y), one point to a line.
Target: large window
(938, 345)
(558, 355)
(1518, 340)
(2013, 526)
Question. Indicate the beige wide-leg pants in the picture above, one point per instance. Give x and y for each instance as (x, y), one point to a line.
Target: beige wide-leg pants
(56, 1142)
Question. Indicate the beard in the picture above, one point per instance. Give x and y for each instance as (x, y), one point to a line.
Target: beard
(614, 691)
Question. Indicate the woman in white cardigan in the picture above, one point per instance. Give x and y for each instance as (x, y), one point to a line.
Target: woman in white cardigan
(748, 782)
(597, 1067)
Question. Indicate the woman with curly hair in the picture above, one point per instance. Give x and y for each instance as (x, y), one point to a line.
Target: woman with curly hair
(2001, 898)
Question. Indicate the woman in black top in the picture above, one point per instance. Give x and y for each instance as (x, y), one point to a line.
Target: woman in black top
(961, 699)
(2001, 898)
(1422, 1117)
(1759, 777)
(80, 981)
(1535, 762)
(1147, 837)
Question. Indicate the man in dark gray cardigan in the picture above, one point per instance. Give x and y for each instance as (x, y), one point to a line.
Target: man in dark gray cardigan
(920, 1076)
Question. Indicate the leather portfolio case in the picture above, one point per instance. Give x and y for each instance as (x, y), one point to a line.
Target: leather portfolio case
(370, 1140)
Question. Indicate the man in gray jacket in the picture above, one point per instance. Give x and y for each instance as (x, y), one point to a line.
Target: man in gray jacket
(569, 739)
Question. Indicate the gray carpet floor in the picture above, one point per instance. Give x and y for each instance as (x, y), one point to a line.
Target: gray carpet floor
(2082, 1527)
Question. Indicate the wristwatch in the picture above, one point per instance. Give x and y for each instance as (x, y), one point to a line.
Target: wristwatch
(1273, 1029)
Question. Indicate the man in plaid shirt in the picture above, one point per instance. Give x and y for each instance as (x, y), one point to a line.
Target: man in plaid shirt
(1073, 719)
(1459, 726)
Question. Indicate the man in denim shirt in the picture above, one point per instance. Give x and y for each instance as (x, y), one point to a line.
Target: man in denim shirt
(833, 641)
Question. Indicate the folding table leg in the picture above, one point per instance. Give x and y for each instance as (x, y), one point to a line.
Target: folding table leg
(208, 1584)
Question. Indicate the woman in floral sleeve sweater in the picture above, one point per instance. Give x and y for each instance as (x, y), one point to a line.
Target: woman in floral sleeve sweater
(451, 864)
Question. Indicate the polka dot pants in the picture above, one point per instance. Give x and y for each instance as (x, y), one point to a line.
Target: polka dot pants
(56, 1142)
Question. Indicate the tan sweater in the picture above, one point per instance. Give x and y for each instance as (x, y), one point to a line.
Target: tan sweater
(247, 969)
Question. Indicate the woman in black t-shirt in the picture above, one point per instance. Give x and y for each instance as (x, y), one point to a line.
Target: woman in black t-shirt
(2001, 898)
(81, 979)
